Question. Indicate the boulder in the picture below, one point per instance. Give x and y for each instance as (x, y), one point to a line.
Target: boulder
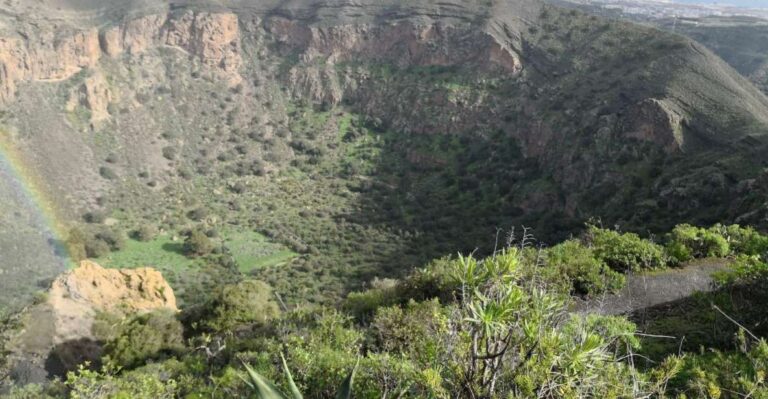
(56, 334)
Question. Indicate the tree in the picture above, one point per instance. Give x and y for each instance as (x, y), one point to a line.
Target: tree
(96, 248)
(197, 244)
(145, 233)
(249, 302)
(75, 245)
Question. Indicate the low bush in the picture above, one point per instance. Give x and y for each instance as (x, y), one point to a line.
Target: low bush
(144, 233)
(625, 251)
(745, 269)
(248, 303)
(688, 242)
(145, 337)
(577, 267)
(197, 244)
(96, 248)
(744, 240)
(170, 153)
(115, 239)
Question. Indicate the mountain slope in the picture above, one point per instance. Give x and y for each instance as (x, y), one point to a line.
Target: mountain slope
(371, 135)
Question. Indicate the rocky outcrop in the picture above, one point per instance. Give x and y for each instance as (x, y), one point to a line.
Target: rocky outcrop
(45, 58)
(212, 38)
(94, 94)
(653, 120)
(77, 295)
(57, 333)
(403, 44)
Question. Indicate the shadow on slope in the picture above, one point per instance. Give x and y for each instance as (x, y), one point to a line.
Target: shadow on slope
(696, 323)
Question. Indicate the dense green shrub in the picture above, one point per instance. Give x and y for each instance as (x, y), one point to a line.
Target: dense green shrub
(149, 382)
(197, 243)
(687, 242)
(76, 245)
(144, 337)
(577, 267)
(417, 330)
(625, 252)
(248, 303)
(436, 280)
(717, 374)
(96, 248)
(115, 239)
(144, 233)
(745, 269)
(744, 240)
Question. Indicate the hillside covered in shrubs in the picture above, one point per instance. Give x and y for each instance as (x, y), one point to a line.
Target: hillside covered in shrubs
(462, 326)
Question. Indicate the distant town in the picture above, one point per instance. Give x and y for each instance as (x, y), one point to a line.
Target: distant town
(656, 9)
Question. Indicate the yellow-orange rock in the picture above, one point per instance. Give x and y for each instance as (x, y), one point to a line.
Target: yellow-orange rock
(77, 295)
(212, 38)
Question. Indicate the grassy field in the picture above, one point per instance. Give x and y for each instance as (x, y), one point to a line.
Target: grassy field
(162, 253)
(252, 251)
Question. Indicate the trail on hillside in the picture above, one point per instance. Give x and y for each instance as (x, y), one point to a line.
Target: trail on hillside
(648, 290)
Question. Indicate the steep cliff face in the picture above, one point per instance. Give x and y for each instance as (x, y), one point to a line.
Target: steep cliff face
(45, 58)
(401, 43)
(213, 38)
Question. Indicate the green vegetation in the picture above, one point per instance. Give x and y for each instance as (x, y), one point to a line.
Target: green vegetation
(143, 338)
(477, 327)
(266, 390)
(577, 265)
(244, 304)
(625, 252)
(196, 243)
(687, 242)
(253, 251)
(294, 226)
(161, 252)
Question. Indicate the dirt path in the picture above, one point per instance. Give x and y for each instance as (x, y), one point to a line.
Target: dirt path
(643, 291)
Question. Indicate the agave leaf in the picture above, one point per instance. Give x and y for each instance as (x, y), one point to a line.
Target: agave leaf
(291, 384)
(261, 387)
(345, 390)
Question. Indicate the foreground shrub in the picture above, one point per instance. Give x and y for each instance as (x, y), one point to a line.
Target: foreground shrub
(625, 251)
(417, 330)
(577, 267)
(150, 382)
(144, 337)
(433, 281)
(264, 389)
(716, 374)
